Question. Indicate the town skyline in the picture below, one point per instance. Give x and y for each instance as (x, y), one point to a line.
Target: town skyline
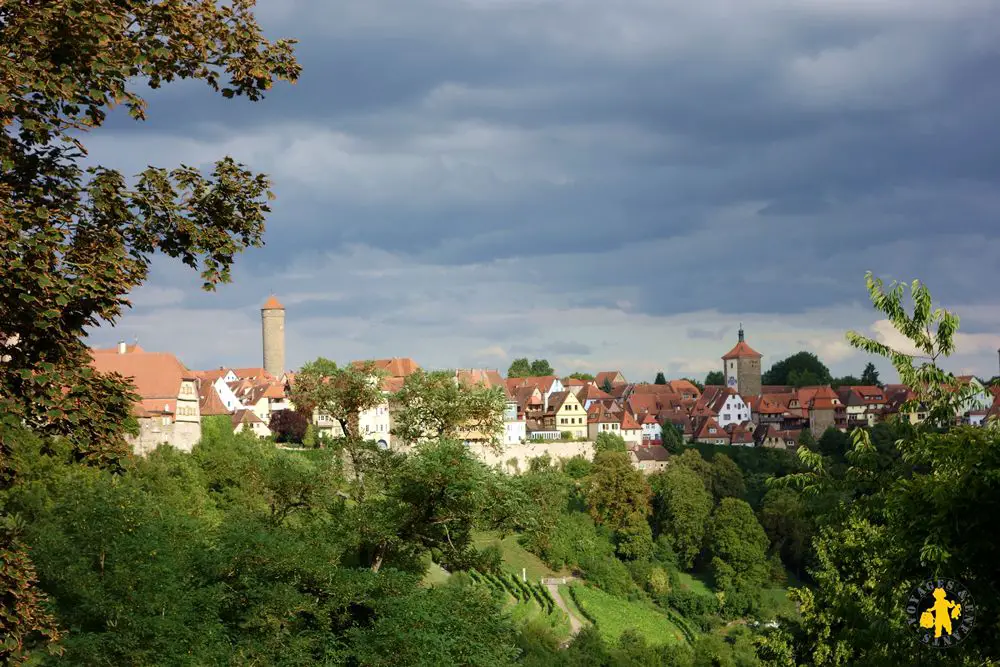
(613, 185)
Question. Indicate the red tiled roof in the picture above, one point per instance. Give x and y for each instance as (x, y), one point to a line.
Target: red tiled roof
(742, 351)
(628, 422)
(395, 367)
(683, 386)
(154, 374)
(209, 403)
(272, 304)
(710, 423)
(608, 376)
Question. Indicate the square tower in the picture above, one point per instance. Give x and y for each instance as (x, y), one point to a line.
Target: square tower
(741, 368)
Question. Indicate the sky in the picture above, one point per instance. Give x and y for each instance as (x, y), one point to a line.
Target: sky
(608, 185)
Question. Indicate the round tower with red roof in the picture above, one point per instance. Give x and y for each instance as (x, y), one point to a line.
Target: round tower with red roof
(741, 368)
(272, 321)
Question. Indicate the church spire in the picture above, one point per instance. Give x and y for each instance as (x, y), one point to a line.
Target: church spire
(741, 332)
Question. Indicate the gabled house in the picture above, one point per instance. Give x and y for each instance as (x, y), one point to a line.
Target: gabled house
(610, 378)
(740, 435)
(727, 406)
(685, 389)
(650, 459)
(651, 429)
(247, 420)
(862, 404)
(168, 407)
(711, 433)
(602, 420)
(566, 413)
(631, 430)
(592, 393)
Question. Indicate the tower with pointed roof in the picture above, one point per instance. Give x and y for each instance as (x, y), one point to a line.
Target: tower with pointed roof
(741, 368)
(272, 320)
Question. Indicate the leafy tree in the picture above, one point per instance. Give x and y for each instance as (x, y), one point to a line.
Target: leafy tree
(609, 442)
(522, 368)
(660, 378)
(75, 240)
(693, 459)
(738, 548)
(682, 506)
(606, 386)
(343, 393)
(803, 378)
(519, 368)
(807, 367)
(785, 518)
(586, 377)
(845, 381)
(715, 378)
(540, 367)
(834, 443)
(869, 376)
(806, 439)
(897, 522)
(726, 478)
(288, 426)
(431, 405)
(672, 438)
(618, 497)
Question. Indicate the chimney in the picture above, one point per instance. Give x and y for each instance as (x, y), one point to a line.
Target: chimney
(122, 347)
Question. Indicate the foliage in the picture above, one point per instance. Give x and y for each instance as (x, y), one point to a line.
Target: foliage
(681, 507)
(672, 438)
(288, 426)
(76, 241)
(24, 624)
(432, 405)
(698, 385)
(869, 376)
(800, 369)
(606, 386)
(342, 393)
(807, 439)
(522, 368)
(726, 478)
(715, 378)
(618, 497)
(895, 519)
(660, 378)
(609, 442)
(738, 548)
(786, 520)
(586, 377)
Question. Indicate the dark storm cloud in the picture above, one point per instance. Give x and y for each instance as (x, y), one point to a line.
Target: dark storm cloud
(756, 162)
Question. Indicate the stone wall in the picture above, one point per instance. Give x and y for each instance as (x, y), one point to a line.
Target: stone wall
(748, 377)
(556, 449)
(819, 421)
(183, 435)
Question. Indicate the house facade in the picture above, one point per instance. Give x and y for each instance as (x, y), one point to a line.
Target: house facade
(168, 409)
(565, 413)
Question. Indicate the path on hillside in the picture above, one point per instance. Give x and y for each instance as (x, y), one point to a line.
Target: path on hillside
(575, 624)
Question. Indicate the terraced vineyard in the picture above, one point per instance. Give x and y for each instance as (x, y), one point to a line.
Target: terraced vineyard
(529, 600)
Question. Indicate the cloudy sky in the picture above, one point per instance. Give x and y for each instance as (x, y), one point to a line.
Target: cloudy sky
(609, 185)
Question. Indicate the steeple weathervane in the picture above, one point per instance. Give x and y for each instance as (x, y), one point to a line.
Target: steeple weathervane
(741, 332)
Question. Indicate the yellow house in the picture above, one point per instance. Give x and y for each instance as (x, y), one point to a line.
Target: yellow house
(566, 413)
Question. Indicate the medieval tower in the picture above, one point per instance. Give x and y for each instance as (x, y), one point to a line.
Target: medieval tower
(741, 368)
(272, 321)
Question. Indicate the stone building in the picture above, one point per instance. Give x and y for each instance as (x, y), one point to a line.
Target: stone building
(272, 321)
(741, 368)
(168, 408)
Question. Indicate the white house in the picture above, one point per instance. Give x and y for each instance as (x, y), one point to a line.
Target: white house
(226, 393)
(730, 408)
(651, 429)
(375, 424)
(515, 424)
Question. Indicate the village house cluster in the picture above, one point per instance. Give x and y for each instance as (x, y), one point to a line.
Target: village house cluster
(547, 409)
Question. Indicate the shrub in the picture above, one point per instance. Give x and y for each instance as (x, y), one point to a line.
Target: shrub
(567, 435)
(288, 426)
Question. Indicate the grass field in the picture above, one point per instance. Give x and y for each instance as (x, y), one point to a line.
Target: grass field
(698, 584)
(613, 616)
(435, 575)
(516, 557)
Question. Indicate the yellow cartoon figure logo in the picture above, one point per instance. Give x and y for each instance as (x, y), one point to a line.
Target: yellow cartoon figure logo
(941, 611)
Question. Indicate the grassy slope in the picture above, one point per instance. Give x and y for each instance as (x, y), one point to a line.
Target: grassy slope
(694, 583)
(516, 557)
(613, 616)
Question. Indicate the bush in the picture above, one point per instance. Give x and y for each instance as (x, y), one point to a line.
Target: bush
(490, 558)
(288, 426)
(310, 439)
(567, 435)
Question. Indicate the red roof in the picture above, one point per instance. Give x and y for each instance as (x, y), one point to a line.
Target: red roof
(742, 351)
(272, 304)
(629, 423)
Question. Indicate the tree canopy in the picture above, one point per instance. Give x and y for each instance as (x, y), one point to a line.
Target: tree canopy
(715, 378)
(799, 370)
(660, 378)
(77, 239)
(521, 368)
